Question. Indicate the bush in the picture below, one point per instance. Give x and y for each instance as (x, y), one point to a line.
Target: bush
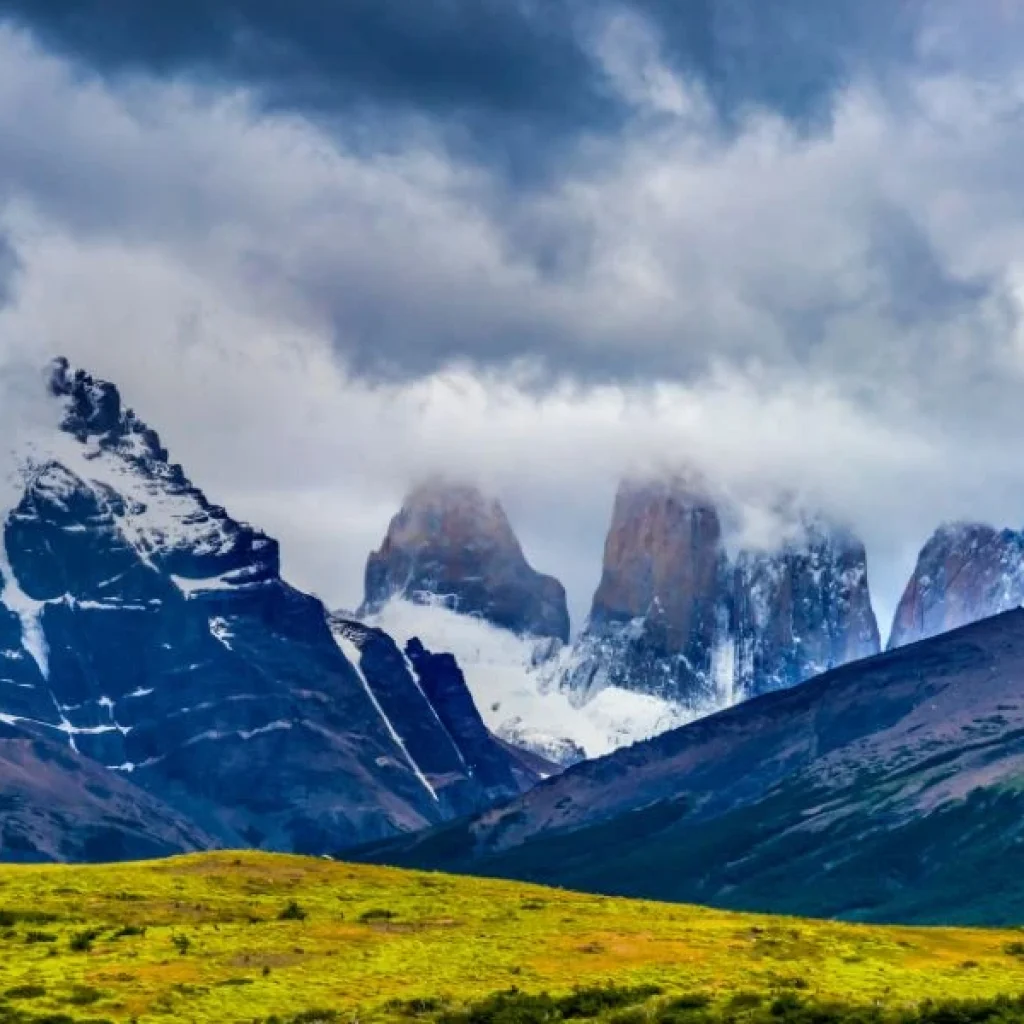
(371, 916)
(25, 992)
(182, 943)
(130, 931)
(33, 937)
(81, 942)
(515, 1007)
(292, 912)
(9, 918)
(83, 995)
(415, 1007)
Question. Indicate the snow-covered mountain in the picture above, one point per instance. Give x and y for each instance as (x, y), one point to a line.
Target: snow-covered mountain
(680, 627)
(679, 616)
(152, 634)
(964, 573)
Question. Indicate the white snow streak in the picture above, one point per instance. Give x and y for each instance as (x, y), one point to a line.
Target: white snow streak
(351, 652)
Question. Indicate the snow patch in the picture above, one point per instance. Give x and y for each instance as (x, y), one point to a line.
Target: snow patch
(515, 682)
(29, 612)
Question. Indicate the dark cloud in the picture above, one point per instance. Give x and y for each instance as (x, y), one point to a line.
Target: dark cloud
(503, 72)
(511, 80)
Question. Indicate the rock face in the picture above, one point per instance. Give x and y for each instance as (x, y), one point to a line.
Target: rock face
(885, 790)
(153, 634)
(425, 699)
(449, 542)
(966, 572)
(677, 616)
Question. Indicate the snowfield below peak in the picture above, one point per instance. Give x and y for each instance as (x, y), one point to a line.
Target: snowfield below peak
(516, 684)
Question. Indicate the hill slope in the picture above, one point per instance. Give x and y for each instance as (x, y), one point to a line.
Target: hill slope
(222, 937)
(890, 789)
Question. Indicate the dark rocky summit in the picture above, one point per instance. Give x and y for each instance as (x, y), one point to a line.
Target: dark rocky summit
(885, 790)
(425, 698)
(152, 633)
(679, 616)
(966, 572)
(450, 542)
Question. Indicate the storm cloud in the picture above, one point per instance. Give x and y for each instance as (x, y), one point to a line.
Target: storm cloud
(539, 244)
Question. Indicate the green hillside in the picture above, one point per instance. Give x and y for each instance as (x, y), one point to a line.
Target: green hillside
(251, 937)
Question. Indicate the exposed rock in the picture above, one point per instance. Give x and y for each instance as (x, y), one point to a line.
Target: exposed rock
(676, 615)
(425, 699)
(966, 572)
(450, 542)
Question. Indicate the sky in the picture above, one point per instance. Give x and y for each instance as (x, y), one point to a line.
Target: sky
(326, 249)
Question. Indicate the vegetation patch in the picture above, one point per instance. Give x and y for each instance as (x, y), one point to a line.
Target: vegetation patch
(255, 938)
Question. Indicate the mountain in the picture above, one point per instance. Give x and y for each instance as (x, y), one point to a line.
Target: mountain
(889, 789)
(424, 698)
(452, 542)
(451, 572)
(679, 616)
(680, 626)
(966, 572)
(57, 805)
(153, 634)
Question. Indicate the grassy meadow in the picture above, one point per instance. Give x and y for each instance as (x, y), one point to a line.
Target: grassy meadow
(243, 937)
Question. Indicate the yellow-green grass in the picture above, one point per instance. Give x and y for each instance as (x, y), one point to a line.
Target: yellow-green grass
(457, 938)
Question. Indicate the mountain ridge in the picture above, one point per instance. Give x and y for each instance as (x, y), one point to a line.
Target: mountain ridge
(848, 795)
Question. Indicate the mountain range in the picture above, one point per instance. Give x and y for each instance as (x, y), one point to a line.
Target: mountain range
(732, 731)
(889, 789)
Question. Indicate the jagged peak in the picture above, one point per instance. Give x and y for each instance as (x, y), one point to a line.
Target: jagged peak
(93, 411)
(452, 541)
(448, 506)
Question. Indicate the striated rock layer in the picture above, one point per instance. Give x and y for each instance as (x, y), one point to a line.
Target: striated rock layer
(679, 616)
(450, 542)
(966, 572)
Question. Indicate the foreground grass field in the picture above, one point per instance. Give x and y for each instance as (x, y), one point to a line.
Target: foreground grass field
(254, 937)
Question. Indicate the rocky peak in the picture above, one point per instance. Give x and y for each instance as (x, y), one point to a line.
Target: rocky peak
(965, 572)
(679, 616)
(93, 411)
(663, 560)
(452, 543)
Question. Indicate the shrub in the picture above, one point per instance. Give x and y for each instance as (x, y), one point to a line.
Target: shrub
(25, 992)
(292, 912)
(370, 916)
(33, 937)
(83, 995)
(81, 942)
(415, 1007)
(182, 943)
(130, 931)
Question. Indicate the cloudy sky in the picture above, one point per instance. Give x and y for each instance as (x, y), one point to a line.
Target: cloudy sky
(328, 247)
